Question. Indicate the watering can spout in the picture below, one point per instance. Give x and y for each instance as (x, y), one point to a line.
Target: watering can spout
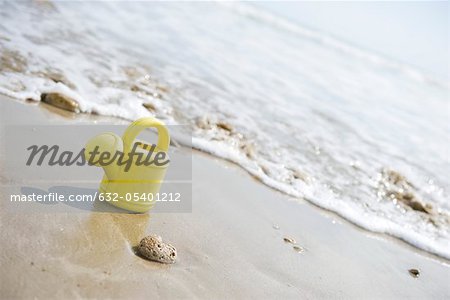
(106, 142)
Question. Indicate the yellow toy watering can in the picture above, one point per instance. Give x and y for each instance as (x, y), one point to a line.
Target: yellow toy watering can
(134, 170)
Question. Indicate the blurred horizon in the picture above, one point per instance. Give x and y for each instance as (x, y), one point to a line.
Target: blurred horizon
(413, 33)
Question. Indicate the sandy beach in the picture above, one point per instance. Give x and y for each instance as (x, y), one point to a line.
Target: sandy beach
(230, 246)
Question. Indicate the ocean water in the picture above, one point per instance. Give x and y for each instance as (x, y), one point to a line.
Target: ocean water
(307, 114)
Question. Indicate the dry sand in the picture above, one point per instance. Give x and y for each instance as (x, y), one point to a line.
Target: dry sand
(230, 246)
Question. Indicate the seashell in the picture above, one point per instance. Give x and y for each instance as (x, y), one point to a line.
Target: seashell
(61, 101)
(153, 248)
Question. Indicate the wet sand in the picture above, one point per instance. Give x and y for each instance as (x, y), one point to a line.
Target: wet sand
(231, 245)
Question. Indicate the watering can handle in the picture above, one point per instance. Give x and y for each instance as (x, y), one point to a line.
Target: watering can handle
(137, 126)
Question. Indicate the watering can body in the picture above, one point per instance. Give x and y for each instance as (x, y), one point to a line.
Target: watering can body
(132, 182)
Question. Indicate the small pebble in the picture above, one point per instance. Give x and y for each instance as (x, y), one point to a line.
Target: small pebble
(289, 240)
(224, 126)
(276, 227)
(298, 249)
(414, 273)
(248, 149)
(149, 106)
(61, 101)
(153, 248)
